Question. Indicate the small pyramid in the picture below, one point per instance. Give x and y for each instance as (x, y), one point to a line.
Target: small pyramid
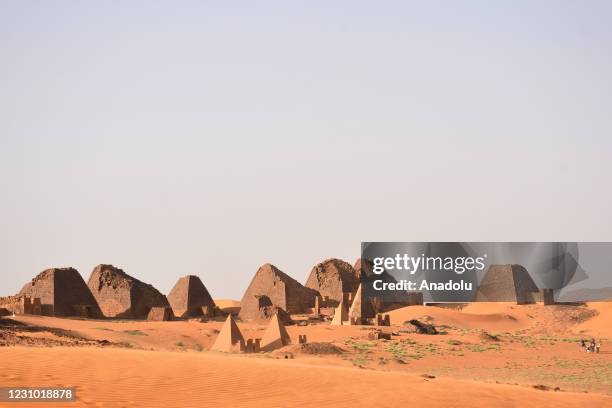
(276, 335)
(229, 338)
(340, 315)
(356, 315)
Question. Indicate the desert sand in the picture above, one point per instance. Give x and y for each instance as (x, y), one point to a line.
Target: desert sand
(489, 354)
(145, 378)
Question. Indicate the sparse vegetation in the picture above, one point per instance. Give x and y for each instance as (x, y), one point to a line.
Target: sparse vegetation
(135, 333)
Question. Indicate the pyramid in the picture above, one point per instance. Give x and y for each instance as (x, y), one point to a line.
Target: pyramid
(361, 309)
(121, 295)
(340, 315)
(188, 296)
(229, 338)
(333, 278)
(272, 287)
(61, 292)
(507, 283)
(276, 335)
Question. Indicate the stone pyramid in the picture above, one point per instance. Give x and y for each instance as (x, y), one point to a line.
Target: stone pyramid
(121, 295)
(276, 335)
(333, 278)
(507, 283)
(361, 309)
(340, 315)
(272, 287)
(229, 338)
(188, 296)
(62, 292)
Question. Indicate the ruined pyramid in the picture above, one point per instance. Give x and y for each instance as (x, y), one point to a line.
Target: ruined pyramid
(507, 283)
(121, 295)
(229, 338)
(188, 296)
(333, 278)
(275, 336)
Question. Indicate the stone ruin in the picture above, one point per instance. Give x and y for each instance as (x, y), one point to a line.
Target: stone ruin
(190, 298)
(272, 288)
(230, 338)
(333, 279)
(379, 335)
(253, 346)
(547, 296)
(120, 295)
(160, 314)
(507, 283)
(54, 292)
(383, 320)
(275, 336)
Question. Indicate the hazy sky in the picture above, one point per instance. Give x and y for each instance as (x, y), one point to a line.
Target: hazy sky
(174, 138)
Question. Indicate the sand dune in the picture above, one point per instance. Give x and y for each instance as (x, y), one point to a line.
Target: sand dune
(600, 325)
(109, 378)
(487, 316)
(224, 303)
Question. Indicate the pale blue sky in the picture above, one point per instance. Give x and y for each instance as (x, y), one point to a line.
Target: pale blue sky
(173, 138)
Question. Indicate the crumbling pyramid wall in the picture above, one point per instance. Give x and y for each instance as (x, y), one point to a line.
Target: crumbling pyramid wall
(272, 287)
(62, 292)
(121, 295)
(188, 296)
(332, 278)
(507, 283)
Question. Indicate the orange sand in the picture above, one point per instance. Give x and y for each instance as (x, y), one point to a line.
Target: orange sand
(125, 378)
(168, 363)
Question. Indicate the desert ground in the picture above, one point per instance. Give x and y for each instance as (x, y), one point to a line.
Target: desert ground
(487, 354)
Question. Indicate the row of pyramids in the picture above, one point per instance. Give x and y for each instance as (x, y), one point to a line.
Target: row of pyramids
(109, 292)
